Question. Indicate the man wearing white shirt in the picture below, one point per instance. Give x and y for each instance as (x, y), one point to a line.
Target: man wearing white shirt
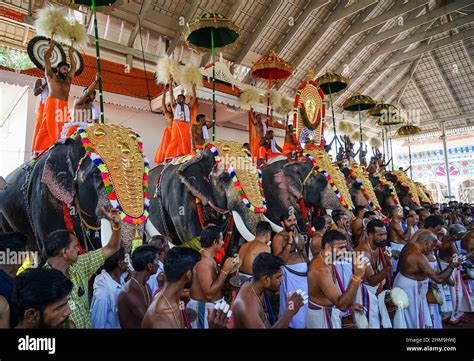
(157, 280)
(107, 287)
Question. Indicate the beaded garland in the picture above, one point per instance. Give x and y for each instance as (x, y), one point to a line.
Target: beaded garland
(372, 203)
(109, 187)
(387, 184)
(237, 184)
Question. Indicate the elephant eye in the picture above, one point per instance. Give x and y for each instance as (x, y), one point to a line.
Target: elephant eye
(224, 177)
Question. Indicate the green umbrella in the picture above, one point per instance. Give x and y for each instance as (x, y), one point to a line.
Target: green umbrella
(93, 4)
(211, 31)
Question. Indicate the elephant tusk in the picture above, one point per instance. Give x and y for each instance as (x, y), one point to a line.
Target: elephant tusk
(105, 231)
(150, 229)
(243, 230)
(276, 228)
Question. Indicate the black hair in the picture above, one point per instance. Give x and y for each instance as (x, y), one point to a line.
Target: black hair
(209, 236)
(369, 214)
(62, 63)
(246, 145)
(263, 228)
(160, 241)
(331, 236)
(358, 209)
(336, 216)
(13, 241)
(433, 221)
(284, 216)
(419, 210)
(199, 117)
(112, 262)
(178, 261)
(181, 95)
(37, 288)
(266, 264)
(318, 222)
(374, 223)
(57, 241)
(142, 256)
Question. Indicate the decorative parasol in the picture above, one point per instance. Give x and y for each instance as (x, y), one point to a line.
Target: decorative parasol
(93, 4)
(332, 83)
(356, 103)
(271, 67)
(406, 131)
(211, 31)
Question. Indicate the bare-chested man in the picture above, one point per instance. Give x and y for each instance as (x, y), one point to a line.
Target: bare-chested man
(167, 309)
(357, 226)
(326, 300)
(268, 147)
(167, 110)
(342, 224)
(378, 273)
(251, 306)
(250, 250)
(397, 237)
(260, 131)
(414, 269)
(56, 111)
(289, 245)
(290, 145)
(200, 134)
(206, 288)
(136, 295)
(84, 108)
(319, 228)
(41, 91)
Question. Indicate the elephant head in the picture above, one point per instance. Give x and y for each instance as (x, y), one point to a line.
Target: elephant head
(75, 178)
(355, 187)
(215, 175)
(405, 188)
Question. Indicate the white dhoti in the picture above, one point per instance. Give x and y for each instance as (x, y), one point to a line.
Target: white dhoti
(343, 271)
(426, 310)
(396, 247)
(417, 305)
(295, 276)
(459, 297)
(322, 317)
(367, 297)
(435, 309)
(202, 310)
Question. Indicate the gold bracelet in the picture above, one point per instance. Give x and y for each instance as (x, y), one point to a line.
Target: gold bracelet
(356, 279)
(224, 272)
(116, 229)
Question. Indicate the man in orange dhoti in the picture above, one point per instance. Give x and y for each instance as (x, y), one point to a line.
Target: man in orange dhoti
(200, 133)
(41, 91)
(260, 131)
(180, 142)
(268, 147)
(290, 145)
(165, 140)
(56, 111)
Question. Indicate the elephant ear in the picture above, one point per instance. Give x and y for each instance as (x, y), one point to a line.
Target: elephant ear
(195, 174)
(290, 179)
(58, 174)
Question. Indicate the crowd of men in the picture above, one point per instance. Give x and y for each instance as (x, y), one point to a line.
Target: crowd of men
(347, 274)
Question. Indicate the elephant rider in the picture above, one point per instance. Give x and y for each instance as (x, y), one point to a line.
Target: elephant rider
(199, 131)
(326, 299)
(252, 306)
(56, 111)
(414, 270)
(289, 146)
(289, 245)
(41, 297)
(378, 273)
(260, 131)
(160, 154)
(41, 91)
(62, 251)
(85, 111)
(397, 236)
(180, 141)
(167, 309)
(249, 250)
(268, 147)
(206, 288)
(136, 294)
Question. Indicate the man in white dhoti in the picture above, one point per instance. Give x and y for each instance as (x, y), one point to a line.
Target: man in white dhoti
(290, 247)
(326, 300)
(378, 274)
(414, 268)
(206, 288)
(397, 236)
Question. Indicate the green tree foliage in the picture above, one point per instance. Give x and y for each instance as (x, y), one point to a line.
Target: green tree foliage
(14, 59)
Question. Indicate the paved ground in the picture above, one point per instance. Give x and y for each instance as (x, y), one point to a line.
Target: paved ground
(467, 322)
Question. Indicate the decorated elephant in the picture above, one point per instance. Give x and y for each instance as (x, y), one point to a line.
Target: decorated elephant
(218, 184)
(73, 183)
(360, 187)
(309, 183)
(406, 189)
(384, 191)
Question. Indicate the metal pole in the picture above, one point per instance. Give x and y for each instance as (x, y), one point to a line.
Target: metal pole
(97, 50)
(213, 87)
(446, 163)
(409, 158)
(333, 117)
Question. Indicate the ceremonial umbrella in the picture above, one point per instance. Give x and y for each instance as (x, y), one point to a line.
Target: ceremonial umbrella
(211, 31)
(356, 103)
(271, 67)
(406, 131)
(332, 83)
(93, 4)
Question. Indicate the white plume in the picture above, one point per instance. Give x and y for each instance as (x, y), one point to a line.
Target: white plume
(51, 22)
